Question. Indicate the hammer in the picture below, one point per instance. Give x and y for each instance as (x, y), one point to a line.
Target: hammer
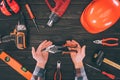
(99, 58)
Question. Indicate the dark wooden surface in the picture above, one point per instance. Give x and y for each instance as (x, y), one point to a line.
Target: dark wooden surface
(68, 27)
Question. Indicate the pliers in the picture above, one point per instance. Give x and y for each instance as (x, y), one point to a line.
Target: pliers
(105, 42)
(55, 49)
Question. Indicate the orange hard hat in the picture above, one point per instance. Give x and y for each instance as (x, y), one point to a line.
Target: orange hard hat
(99, 15)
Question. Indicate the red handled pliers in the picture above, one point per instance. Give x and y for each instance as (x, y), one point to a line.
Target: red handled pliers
(105, 42)
(58, 74)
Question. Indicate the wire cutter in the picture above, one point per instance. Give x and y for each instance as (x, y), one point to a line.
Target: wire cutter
(58, 74)
(55, 49)
(105, 42)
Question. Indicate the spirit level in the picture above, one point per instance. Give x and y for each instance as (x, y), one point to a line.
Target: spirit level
(15, 65)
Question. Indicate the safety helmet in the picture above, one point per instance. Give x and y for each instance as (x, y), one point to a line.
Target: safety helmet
(9, 7)
(99, 15)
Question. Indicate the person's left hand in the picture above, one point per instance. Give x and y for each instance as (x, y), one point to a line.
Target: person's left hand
(77, 53)
(40, 55)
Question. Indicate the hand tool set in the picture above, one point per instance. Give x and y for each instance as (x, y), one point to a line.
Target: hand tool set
(11, 7)
(99, 58)
(95, 19)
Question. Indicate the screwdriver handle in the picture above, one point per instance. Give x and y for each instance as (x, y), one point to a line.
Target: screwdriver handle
(111, 76)
(29, 11)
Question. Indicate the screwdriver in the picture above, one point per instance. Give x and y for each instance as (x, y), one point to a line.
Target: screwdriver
(111, 76)
(31, 15)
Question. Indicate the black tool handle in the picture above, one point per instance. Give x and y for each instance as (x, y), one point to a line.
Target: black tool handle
(64, 49)
(7, 38)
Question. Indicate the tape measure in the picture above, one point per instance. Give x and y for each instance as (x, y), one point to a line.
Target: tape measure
(9, 7)
(15, 65)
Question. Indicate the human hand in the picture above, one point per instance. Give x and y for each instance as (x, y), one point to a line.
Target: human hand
(40, 55)
(77, 53)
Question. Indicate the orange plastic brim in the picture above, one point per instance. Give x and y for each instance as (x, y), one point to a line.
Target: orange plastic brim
(15, 65)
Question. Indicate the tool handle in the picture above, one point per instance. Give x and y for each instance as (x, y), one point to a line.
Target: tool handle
(7, 38)
(111, 76)
(111, 63)
(29, 11)
(111, 45)
(104, 41)
(107, 39)
(57, 4)
(58, 75)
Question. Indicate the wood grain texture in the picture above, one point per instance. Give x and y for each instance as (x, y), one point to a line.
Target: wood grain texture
(67, 28)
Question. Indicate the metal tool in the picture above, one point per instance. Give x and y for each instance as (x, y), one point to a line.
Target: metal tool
(58, 74)
(111, 76)
(105, 42)
(99, 58)
(57, 11)
(15, 65)
(31, 15)
(55, 49)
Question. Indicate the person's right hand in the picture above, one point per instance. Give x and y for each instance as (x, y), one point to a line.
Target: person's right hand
(78, 55)
(40, 55)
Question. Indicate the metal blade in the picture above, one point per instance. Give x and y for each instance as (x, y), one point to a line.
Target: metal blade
(93, 67)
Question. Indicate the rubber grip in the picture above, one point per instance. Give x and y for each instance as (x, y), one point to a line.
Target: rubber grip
(57, 75)
(15, 65)
(29, 11)
(111, 76)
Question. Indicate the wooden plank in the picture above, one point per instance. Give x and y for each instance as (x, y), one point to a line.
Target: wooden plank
(69, 27)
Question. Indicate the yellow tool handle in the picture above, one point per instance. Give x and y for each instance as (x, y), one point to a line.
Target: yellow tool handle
(15, 65)
(111, 63)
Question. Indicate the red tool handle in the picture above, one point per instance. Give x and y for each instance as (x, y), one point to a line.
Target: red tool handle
(58, 75)
(57, 4)
(107, 39)
(29, 11)
(104, 41)
(111, 76)
(107, 44)
(60, 6)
